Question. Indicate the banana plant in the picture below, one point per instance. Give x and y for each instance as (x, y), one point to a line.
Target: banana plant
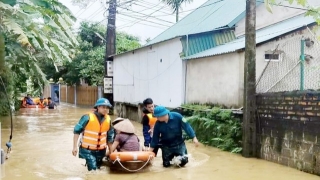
(42, 29)
(35, 31)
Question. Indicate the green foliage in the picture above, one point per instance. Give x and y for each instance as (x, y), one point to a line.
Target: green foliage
(126, 42)
(216, 127)
(311, 11)
(190, 109)
(88, 63)
(36, 32)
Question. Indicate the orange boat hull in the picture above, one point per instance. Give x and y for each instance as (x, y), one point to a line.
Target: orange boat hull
(132, 156)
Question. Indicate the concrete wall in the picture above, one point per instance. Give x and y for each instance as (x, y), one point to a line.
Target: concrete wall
(288, 129)
(215, 79)
(154, 71)
(130, 111)
(279, 13)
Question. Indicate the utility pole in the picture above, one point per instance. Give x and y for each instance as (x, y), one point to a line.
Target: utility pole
(249, 118)
(110, 50)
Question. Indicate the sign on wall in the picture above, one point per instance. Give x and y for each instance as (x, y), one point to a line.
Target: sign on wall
(109, 68)
(107, 85)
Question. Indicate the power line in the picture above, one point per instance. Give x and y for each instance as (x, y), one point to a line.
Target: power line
(146, 15)
(143, 5)
(151, 4)
(145, 20)
(127, 25)
(86, 8)
(96, 12)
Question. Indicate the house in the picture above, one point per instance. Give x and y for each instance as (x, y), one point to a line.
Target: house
(165, 69)
(224, 65)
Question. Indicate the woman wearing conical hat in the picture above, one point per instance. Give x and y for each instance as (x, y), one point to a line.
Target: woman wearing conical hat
(125, 139)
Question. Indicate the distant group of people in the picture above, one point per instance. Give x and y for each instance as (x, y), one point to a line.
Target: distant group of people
(41, 102)
(161, 129)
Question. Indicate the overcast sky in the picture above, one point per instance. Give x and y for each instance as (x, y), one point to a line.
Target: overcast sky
(142, 18)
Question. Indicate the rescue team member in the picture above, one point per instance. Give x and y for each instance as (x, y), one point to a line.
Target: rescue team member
(148, 122)
(97, 135)
(169, 126)
(29, 101)
(41, 103)
(51, 104)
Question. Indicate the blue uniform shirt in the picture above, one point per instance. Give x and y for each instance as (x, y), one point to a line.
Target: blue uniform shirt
(29, 101)
(79, 128)
(171, 132)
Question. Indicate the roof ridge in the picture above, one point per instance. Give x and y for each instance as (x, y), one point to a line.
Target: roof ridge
(207, 3)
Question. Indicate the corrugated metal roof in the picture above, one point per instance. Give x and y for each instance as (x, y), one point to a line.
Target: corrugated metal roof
(201, 42)
(262, 35)
(212, 15)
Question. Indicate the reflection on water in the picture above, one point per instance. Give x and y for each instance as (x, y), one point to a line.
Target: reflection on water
(42, 145)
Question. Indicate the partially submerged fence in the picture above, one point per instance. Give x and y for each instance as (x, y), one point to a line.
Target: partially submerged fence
(78, 95)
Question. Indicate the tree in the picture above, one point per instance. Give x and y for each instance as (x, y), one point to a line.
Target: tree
(88, 63)
(35, 31)
(176, 5)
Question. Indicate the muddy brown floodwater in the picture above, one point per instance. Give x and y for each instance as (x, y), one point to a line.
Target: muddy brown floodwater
(42, 145)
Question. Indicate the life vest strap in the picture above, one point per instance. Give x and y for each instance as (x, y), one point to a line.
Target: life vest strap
(94, 139)
(95, 133)
(94, 147)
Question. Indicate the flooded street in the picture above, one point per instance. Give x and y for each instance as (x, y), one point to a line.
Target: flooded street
(42, 145)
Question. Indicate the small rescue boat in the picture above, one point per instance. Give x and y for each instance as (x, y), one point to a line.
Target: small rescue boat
(131, 158)
(33, 106)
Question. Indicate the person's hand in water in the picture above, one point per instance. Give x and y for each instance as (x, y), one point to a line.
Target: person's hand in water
(195, 141)
(75, 151)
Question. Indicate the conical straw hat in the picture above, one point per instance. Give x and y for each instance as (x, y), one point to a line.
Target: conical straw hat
(125, 126)
(117, 120)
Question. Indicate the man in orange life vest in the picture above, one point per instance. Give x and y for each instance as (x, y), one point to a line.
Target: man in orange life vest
(148, 122)
(41, 103)
(97, 135)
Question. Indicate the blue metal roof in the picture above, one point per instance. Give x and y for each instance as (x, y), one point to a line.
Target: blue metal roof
(212, 15)
(262, 35)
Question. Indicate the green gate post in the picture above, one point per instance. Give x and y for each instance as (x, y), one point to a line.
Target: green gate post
(302, 59)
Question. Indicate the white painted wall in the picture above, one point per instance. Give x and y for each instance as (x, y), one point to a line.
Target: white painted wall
(220, 79)
(140, 75)
(214, 79)
(279, 13)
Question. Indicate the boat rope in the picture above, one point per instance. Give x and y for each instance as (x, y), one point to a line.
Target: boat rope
(130, 170)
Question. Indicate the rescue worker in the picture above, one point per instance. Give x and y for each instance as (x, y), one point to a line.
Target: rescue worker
(97, 135)
(148, 122)
(51, 104)
(29, 101)
(41, 103)
(169, 126)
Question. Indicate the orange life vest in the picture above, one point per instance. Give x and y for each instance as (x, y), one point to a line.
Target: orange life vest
(42, 104)
(152, 120)
(95, 134)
